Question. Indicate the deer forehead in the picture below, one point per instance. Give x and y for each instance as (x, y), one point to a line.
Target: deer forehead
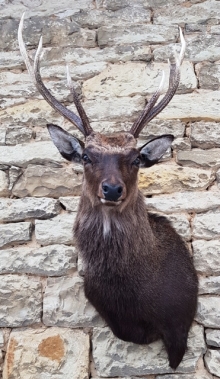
(111, 143)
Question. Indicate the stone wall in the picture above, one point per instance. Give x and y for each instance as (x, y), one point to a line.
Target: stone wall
(116, 50)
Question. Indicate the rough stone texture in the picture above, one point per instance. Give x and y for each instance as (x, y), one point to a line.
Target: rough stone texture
(114, 357)
(15, 233)
(205, 134)
(41, 181)
(166, 178)
(206, 256)
(184, 201)
(4, 184)
(66, 305)
(34, 153)
(199, 158)
(56, 230)
(212, 360)
(70, 203)
(206, 225)
(209, 75)
(131, 79)
(53, 260)
(209, 285)
(181, 224)
(45, 353)
(208, 311)
(21, 209)
(21, 301)
(213, 337)
(147, 34)
(18, 134)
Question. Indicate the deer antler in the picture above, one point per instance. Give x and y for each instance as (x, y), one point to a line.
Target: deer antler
(151, 111)
(82, 122)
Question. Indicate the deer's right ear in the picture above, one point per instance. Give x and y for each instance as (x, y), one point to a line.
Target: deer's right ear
(69, 147)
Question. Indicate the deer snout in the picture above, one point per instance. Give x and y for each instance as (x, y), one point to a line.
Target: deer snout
(112, 192)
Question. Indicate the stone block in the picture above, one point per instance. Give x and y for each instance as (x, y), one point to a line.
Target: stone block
(58, 230)
(213, 337)
(21, 301)
(65, 304)
(38, 181)
(195, 201)
(206, 256)
(45, 353)
(170, 178)
(70, 203)
(129, 79)
(53, 260)
(114, 357)
(21, 209)
(146, 34)
(25, 154)
(181, 224)
(16, 134)
(209, 285)
(208, 311)
(212, 361)
(15, 233)
(199, 158)
(205, 134)
(208, 75)
(4, 184)
(206, 225)
(199, 105)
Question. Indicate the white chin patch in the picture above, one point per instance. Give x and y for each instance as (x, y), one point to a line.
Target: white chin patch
(103, 201)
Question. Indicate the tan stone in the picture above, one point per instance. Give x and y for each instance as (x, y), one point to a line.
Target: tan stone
(46, 353)
(132, 78)
(168, 178)
(48, 181)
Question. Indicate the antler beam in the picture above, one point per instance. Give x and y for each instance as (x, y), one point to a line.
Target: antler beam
(151, 111)
(82, 122)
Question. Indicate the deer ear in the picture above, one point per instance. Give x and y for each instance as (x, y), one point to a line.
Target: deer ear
(69, 147)
(152, 151)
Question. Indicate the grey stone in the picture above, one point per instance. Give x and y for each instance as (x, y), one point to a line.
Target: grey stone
(208, 311)
(21, 209)
(206, 48)
(2, 135)
(114, 357)
(147, 34)
(206, 225)
(14, 173)
(181, 224)
(35, 153)
(218, 177)
(10, 60)
(21, 301)
(209, 285)
(18, 134)
(212, 360)
(53, 260)
(4, 183)
(181, 144)
(170, 178)
(206, 256)
(208, 75)
(185, 201)
(201, 373)
(12, 86)
(70, 203)
(199, 158)
(52, 352)
(49, 181)
(56, 230)
(200, 13)
(213, 337)
(114, 108)
(129, 79)
(15, 233)
(205, 134)
(66, 305)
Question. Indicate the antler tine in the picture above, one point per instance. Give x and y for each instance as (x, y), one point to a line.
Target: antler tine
(34, 72)
(152, 111)
(77, 103)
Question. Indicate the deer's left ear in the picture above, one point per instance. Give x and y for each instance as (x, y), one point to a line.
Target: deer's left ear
(152, 151)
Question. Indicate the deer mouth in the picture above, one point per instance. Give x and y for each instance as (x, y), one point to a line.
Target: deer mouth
(110, 203)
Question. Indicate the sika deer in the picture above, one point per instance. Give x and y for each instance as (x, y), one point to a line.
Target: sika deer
(138, 272)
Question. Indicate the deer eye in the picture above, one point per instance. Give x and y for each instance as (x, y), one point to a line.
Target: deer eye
(86, 159)
(136, 162)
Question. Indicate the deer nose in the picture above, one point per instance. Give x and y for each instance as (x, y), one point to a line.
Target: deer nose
(112, 192)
